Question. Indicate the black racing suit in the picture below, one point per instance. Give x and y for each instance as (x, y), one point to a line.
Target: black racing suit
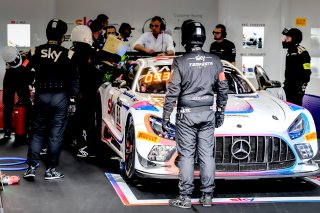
(88, 60)
(194, 76)
(56, 80)
(16, 80)
(297, 74)
(224, 49)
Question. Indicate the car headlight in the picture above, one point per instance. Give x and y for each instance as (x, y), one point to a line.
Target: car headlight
(304, 150)
(156, 125)
(161, 153)
(297, 127)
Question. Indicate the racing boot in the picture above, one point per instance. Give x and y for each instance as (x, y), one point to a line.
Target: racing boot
(206, 199)
(183, 201)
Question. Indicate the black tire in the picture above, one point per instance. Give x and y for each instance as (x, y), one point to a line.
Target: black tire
(130, 152)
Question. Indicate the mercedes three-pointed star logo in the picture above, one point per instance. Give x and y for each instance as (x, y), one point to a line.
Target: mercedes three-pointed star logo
(240, 149)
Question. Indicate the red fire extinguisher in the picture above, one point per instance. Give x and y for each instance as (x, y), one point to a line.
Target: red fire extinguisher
(20, 119)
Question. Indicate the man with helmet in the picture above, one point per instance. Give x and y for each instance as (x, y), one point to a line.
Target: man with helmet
(297, 71)
(87, 59)
(16, 79)
(56, 87)
(194, 77)
(155, 42)
(222, 47)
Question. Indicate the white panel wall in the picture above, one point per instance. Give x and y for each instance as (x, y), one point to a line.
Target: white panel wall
(275, 14)
(138, 11)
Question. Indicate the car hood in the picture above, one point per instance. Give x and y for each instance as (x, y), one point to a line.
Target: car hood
(258, 112)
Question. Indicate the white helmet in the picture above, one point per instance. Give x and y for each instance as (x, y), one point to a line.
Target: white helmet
(11, 56)
(81, 33)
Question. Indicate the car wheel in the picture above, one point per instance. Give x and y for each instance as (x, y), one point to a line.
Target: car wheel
(130, 152)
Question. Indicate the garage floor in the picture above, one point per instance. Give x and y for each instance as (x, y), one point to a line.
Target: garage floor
(86, 188)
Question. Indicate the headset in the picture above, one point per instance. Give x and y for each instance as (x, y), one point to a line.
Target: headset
(162, 22)
(223, 30)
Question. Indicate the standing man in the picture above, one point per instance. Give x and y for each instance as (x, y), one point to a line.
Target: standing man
(194, 76)
(222, 47)
(16, 79)
(56, 87)
(155, 42)
(297, 72)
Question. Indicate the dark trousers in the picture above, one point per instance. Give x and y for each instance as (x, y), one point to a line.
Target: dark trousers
(13, 83)
(294, 93)
(49, 122)
(195, 132)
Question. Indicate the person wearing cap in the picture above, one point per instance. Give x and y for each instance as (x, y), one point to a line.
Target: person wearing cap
(297, 69)
(56, 89)
(16, 80)
(96, 28)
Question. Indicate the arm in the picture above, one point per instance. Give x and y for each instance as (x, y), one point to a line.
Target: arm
(233, 54)
(170, 45)
(173, 90)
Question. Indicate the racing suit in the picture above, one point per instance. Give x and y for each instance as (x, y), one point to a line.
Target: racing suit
(15, 80)
(297, 74)
(194, 76)
(56, 80)
(87, 60)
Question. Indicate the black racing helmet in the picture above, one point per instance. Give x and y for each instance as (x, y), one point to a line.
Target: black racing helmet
(294, 33)
(193, 33)
(56, 28)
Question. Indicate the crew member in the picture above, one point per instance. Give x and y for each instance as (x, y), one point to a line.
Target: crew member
(16, 80)
(155, 42)
(194, 76)
(56, 86)
(297, 71)
(87, 59)
(222, 47)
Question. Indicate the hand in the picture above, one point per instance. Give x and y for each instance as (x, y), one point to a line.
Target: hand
(166, 122)
(219, 118)
(72, 107)
(302, 88)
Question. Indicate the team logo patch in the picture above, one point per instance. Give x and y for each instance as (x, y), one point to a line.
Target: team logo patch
(222, 77)
(148, 137)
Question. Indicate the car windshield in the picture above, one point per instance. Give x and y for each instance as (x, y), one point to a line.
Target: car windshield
(154, 79)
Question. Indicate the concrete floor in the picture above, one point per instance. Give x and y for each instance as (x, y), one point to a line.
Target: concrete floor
(85, 188)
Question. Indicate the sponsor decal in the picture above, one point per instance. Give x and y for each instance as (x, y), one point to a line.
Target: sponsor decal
(242, 199)
(148, 137)
(311, 136)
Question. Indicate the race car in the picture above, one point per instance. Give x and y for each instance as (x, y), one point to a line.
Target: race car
(262, 135)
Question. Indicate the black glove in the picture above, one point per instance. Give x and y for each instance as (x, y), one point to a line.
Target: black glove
(72, 106)
(219, 117)
(166, 122)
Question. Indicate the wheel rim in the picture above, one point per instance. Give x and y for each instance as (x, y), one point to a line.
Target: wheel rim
(129, 157)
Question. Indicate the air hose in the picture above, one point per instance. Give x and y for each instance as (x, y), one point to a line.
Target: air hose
(17, 161)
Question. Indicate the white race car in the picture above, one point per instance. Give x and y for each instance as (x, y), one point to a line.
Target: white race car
(262, 136)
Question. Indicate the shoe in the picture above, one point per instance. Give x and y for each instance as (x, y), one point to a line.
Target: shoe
(183, 201)
(43, 151)
(206, 200)
(51, 174)
(85, 153)
(30, 172)
(7, 134)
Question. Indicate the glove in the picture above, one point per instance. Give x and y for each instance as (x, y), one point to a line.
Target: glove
(219, 117)
(166, 122)
(302, 88)
(72, 107)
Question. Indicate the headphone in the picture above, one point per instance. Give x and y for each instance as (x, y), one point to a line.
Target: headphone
(162, 22)
(223, 30)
